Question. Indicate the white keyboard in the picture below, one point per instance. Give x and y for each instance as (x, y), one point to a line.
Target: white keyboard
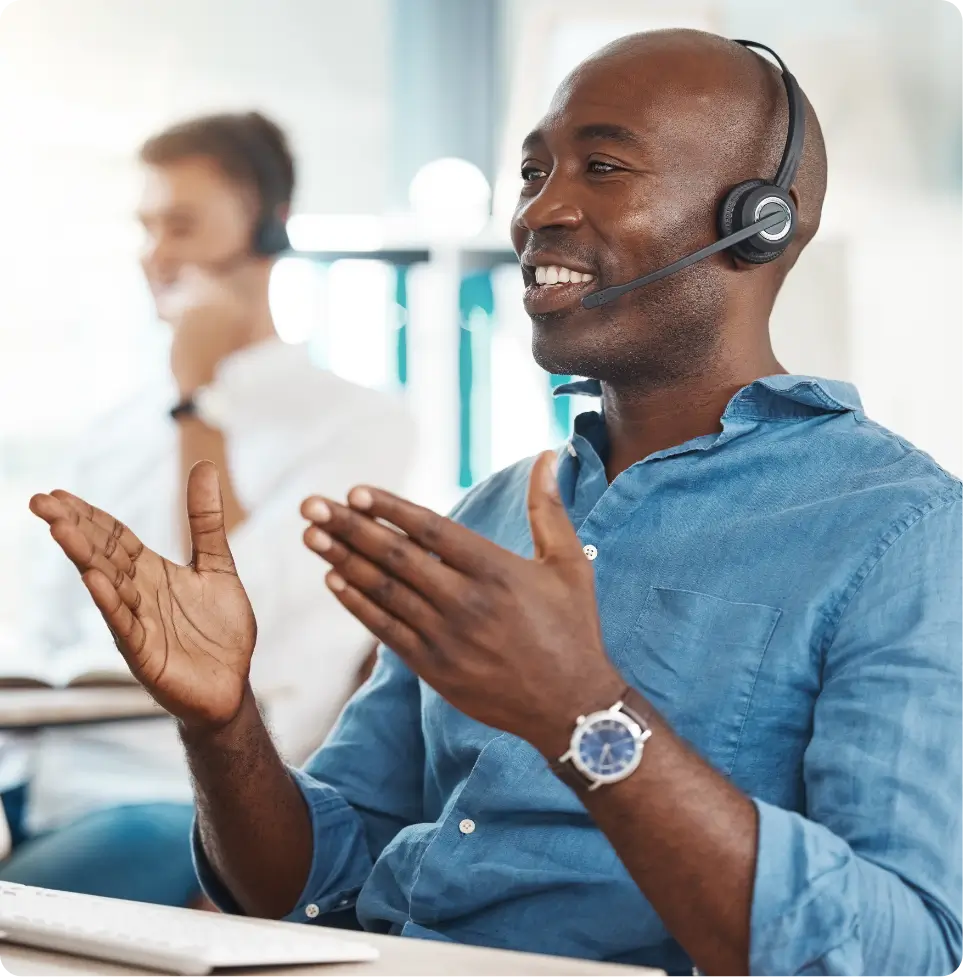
(173, 941)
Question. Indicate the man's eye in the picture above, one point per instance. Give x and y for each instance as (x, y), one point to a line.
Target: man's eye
(530, 173)
(597, 166)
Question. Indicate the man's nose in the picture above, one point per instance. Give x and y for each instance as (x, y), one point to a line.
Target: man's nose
(157, 258)
(555, 205)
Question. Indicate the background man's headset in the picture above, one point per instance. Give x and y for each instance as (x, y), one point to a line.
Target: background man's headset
(757, 218)
(269, 236)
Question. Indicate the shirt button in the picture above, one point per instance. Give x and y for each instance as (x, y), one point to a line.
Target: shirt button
(467, 826)
(311, 910)
(571, 450)
(590, 551)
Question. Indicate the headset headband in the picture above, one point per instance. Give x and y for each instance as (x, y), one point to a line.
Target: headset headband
(796, 132)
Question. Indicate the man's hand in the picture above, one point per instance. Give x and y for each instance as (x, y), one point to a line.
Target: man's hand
(514, 643)
(211, 315)
(187, 632)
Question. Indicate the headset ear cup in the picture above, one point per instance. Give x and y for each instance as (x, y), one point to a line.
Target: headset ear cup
(738, 210)
(270, 237)
(729, 221)
(729, 208)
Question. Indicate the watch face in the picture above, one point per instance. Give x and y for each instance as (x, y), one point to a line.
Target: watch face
(608, 747)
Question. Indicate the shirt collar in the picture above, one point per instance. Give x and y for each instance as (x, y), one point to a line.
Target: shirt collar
(781, 396)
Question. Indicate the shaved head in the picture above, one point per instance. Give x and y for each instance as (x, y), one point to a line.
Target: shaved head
(625, 174)
(735, 100)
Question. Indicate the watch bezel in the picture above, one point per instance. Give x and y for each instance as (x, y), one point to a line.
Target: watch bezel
(585, 725)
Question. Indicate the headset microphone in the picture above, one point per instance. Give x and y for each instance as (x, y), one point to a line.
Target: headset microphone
(757, 218)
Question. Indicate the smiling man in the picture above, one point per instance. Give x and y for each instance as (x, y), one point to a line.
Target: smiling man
(687, 693)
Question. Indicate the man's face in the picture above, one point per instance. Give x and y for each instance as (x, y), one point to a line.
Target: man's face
(617, 184)
(192, 214)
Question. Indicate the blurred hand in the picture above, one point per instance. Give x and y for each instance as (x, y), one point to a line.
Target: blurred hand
(186, 632)
(211, 315)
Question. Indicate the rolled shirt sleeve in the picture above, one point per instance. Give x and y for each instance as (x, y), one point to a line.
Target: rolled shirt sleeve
(869, 880)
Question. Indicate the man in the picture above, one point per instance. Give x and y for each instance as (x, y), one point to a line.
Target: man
(109, 806)
(766, 581)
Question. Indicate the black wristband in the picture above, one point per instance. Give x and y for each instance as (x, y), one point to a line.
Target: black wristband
(184, 408)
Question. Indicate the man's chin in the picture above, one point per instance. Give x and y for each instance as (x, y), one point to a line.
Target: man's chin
(565, 351)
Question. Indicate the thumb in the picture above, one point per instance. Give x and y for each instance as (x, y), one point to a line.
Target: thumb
(552, 530)
(205, 515)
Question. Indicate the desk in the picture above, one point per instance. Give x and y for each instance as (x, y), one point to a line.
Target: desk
(399, 956)
(30, 708)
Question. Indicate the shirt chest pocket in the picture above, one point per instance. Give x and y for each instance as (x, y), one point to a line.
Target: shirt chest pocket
(696, 657)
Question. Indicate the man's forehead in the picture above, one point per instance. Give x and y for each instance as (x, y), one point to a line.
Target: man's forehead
(645, 93)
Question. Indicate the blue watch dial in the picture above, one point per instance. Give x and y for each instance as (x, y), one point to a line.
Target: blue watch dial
(607, 748)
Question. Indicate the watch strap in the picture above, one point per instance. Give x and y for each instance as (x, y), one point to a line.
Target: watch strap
(570, 775)
(633, 705)
(184, 408)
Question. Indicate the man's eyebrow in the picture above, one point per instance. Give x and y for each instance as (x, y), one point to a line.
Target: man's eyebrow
(609, 132)
(533, 139)
(591, 132)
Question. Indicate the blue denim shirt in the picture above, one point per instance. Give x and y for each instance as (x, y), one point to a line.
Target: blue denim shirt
(787, 593)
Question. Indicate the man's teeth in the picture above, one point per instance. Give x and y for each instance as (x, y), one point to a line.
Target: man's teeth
(557, 275)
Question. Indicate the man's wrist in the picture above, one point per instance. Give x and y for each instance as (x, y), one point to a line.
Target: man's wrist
(226, 736)
(188, 386)
(555, 735)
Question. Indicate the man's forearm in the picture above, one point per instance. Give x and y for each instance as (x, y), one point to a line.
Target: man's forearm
(688, 839)
(252, 819)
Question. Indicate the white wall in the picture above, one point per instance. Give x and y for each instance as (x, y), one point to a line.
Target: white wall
(100, 75)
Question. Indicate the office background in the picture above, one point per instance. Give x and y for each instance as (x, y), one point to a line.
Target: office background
(404, 281)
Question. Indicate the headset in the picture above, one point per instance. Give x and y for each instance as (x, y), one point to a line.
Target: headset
(757, 218)
(269, 236)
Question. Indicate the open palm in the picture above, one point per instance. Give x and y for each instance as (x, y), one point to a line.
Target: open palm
(186, 632)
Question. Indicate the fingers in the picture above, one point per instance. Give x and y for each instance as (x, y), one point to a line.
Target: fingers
(48, 508)
(552, 530)
(385, 591)
(205, 515)
(85, 556)
(388, 629)
(457, 546)
(111, 527)
(128, 632)
(390, 550)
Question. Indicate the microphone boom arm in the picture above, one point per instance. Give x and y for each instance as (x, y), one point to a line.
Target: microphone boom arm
(606, 295)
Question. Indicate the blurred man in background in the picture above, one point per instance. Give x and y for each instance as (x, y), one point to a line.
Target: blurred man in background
(106, 809)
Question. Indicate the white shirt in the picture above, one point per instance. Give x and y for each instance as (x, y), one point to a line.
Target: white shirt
(291, 430)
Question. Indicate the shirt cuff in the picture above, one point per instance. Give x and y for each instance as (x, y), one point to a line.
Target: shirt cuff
(805, 910)
(329, 813)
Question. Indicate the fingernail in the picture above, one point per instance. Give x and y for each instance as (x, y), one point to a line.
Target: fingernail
(318, 511)
(320, 540)
(549, 482)
(361, 498)
(335, 582)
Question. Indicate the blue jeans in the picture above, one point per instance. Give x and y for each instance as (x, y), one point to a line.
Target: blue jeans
(139, 851)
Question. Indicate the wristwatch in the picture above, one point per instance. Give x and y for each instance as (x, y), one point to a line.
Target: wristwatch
(606, 746)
